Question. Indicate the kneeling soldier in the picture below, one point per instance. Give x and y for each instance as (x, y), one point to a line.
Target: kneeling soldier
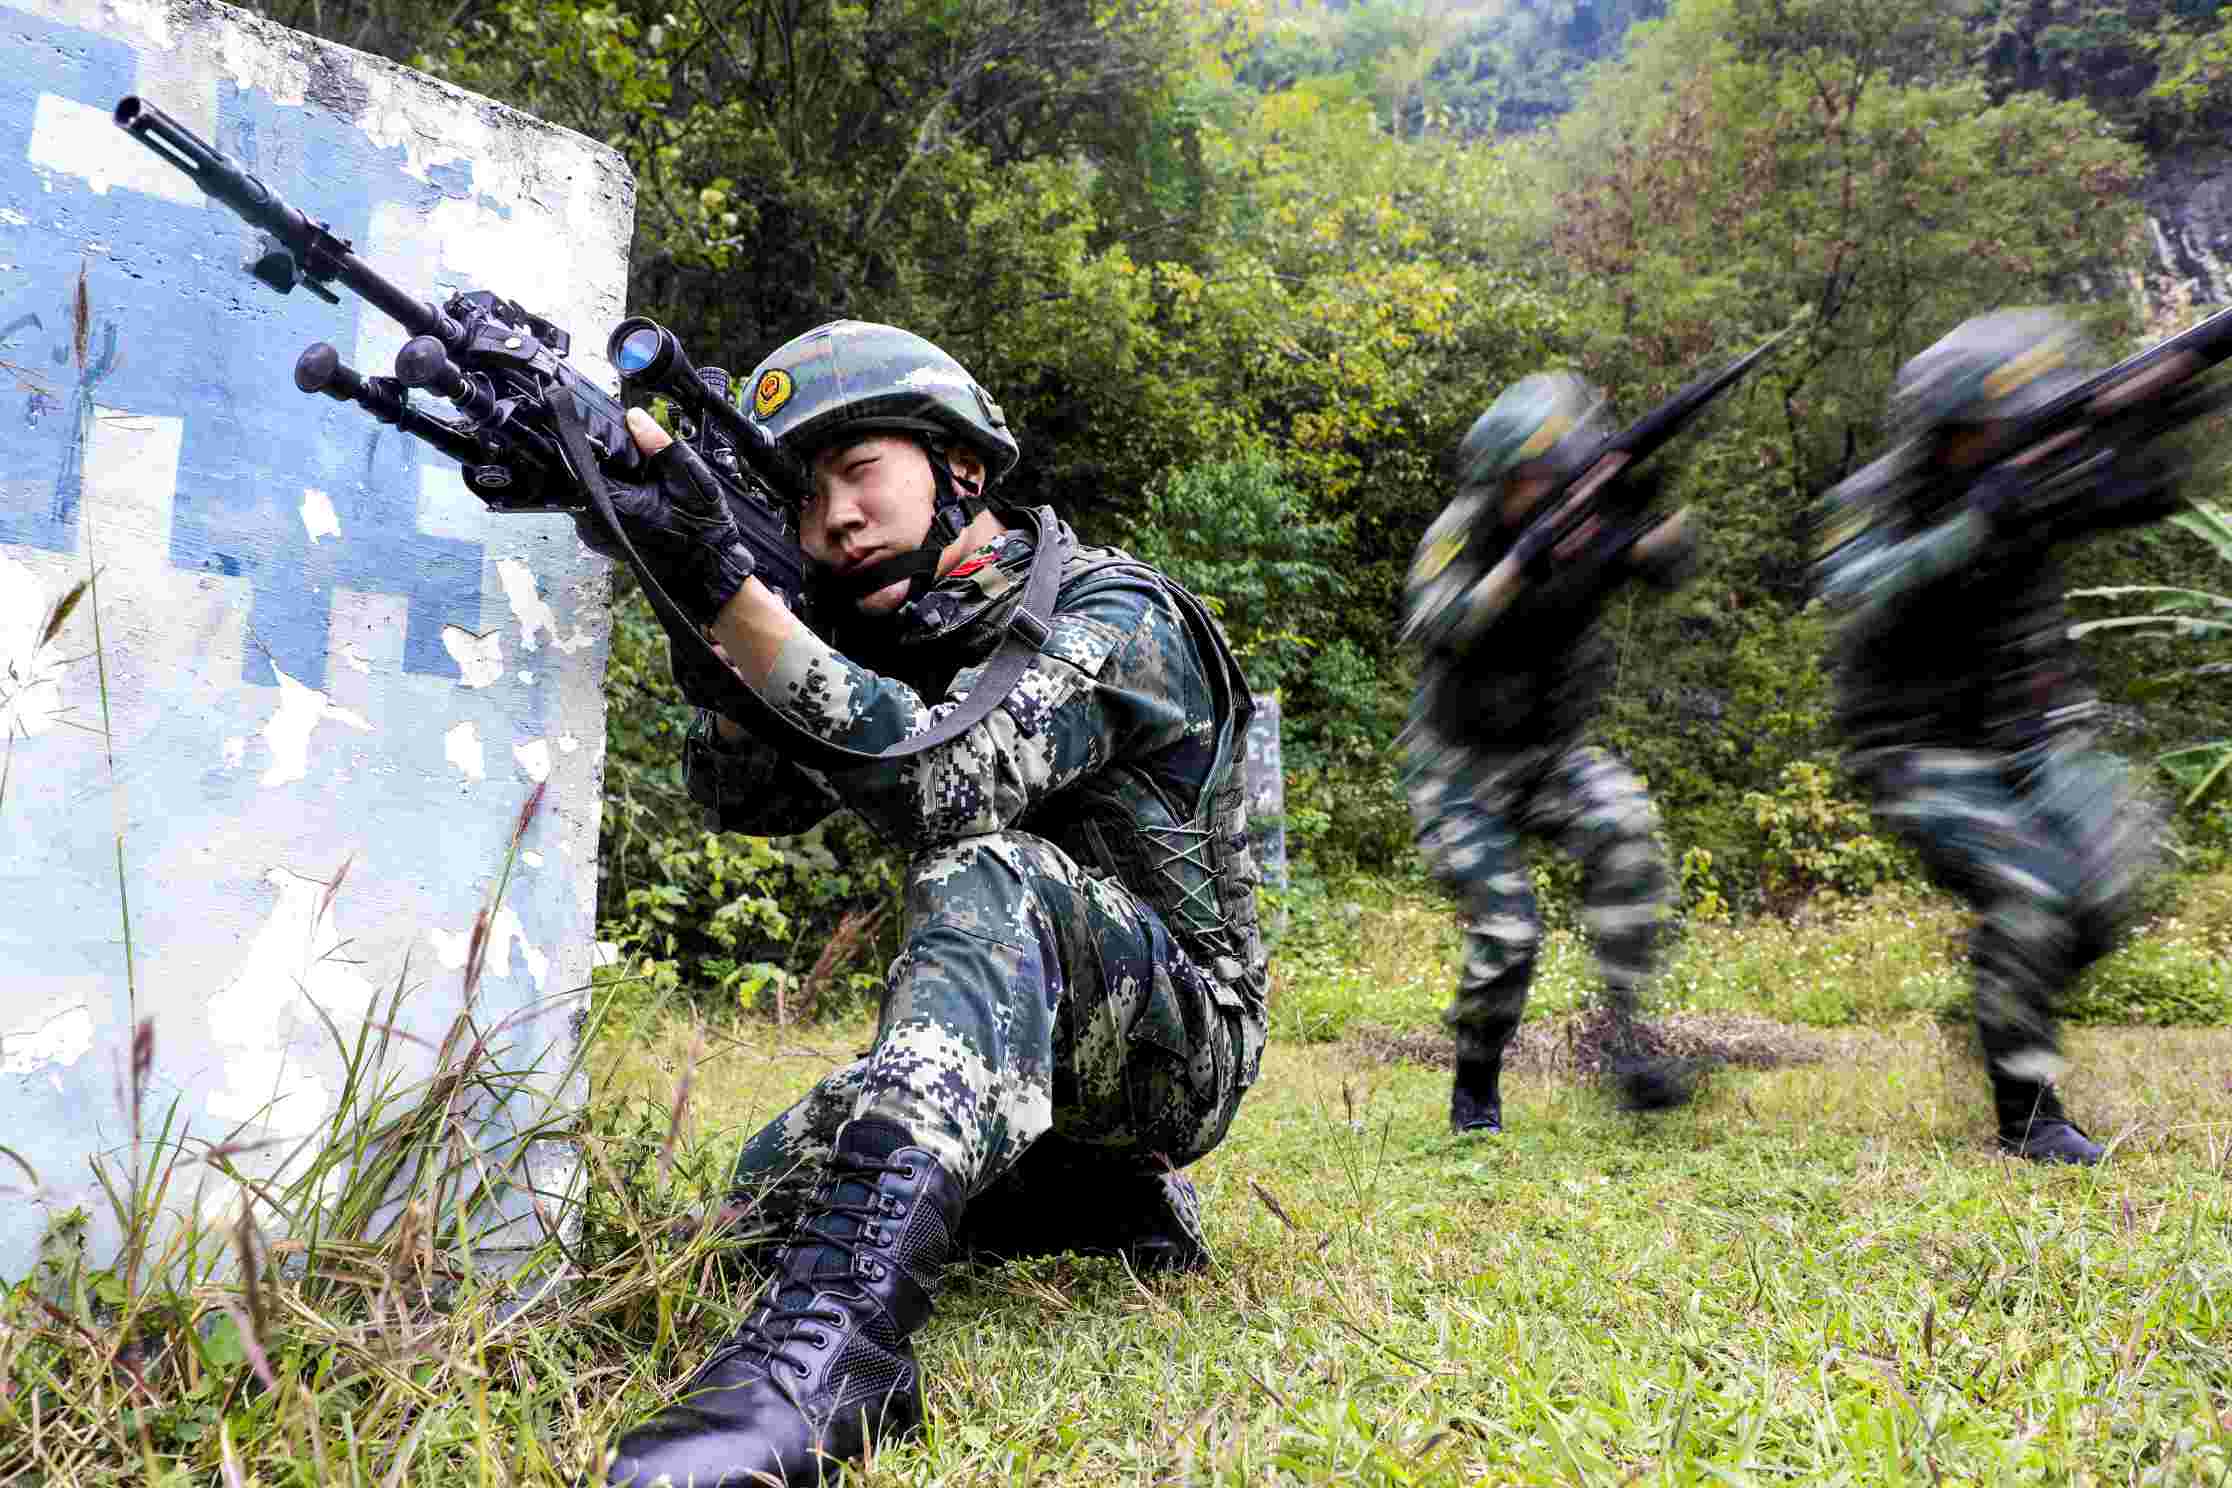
(1080, 1001)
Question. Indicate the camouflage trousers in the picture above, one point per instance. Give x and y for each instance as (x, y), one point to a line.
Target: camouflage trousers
(2050, 846)
(1032, 1000)
(1471, 808)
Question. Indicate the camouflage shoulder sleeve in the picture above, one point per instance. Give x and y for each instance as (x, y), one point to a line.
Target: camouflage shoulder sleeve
(1117, 675)
(749, 788)
(1439, 591)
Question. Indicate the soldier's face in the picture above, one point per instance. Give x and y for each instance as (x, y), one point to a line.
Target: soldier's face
(1966, 446)
(1523, 491)
(872, 500)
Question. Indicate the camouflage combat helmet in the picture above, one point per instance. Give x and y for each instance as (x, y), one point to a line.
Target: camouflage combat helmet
(855, 376)
(1551, 419)
(1999, 366)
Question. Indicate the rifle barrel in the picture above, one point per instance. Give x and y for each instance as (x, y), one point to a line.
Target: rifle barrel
(318, 253)
(2211, 341)
(1662, 423)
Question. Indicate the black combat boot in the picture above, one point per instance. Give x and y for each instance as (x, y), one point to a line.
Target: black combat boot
(2033, 1125)
(822, 1369)
(1151, 1219)
(1475, 1101)
(1475, 1096)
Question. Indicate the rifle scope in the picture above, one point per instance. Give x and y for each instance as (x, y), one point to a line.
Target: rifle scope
(651, 356)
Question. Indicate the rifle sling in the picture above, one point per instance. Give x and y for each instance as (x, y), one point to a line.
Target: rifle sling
(1020, 643)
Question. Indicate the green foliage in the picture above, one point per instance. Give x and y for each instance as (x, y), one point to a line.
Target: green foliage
(1748, 164)
(1436, 67)
(2158, 979)
(2196, 76)
(1815, 842)
(2180, 614)
(1235, 533)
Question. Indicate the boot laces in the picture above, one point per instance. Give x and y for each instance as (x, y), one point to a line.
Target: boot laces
(774, 1327)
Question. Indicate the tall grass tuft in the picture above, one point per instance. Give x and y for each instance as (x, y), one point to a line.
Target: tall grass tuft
(407, 1297)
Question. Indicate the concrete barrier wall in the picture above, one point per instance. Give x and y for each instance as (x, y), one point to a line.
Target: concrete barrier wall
(1266, 782)
(315, 648)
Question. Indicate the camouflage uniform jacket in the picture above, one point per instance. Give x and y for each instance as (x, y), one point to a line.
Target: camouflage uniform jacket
(1122, 744)
(1955, 633)
(1532, 676)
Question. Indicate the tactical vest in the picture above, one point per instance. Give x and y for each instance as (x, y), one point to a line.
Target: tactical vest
(2012, 680)
(1195, 867)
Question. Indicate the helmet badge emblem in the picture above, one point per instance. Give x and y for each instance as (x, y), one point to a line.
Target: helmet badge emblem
(773, 391)
(2023, 370)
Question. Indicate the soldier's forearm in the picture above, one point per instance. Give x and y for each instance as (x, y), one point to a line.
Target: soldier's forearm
(752, 629)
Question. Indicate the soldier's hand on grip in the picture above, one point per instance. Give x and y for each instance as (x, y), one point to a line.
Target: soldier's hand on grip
(678, 517)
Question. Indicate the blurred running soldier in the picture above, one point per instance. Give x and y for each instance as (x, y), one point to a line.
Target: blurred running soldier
(1963, 707)
(1509, 684)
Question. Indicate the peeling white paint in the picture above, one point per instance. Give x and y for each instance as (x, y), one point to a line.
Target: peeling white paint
(531, 610)
(532, 859)
(148, 17)
(480, 659)
(296, 958)
(394, 115)
(55, 1037)
(451, 948)
(446, 508)
(567, 743)
(70, 138)
(287, 732)
(190, 738)
(318, 516)
(461, 746)
(30, 674)
(534, 758)
(604, 953)
(254, 64)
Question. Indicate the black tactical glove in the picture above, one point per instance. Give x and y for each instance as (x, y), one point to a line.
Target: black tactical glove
(1674, 562)
(1618, 513)
(678, 517)
(2139, 486)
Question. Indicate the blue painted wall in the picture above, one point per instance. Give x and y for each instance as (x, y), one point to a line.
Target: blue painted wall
(280, 697)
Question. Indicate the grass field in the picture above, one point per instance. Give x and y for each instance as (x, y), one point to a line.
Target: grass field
(1818, 1273)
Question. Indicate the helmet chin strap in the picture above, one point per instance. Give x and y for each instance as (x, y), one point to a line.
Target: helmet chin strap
(955, 504)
